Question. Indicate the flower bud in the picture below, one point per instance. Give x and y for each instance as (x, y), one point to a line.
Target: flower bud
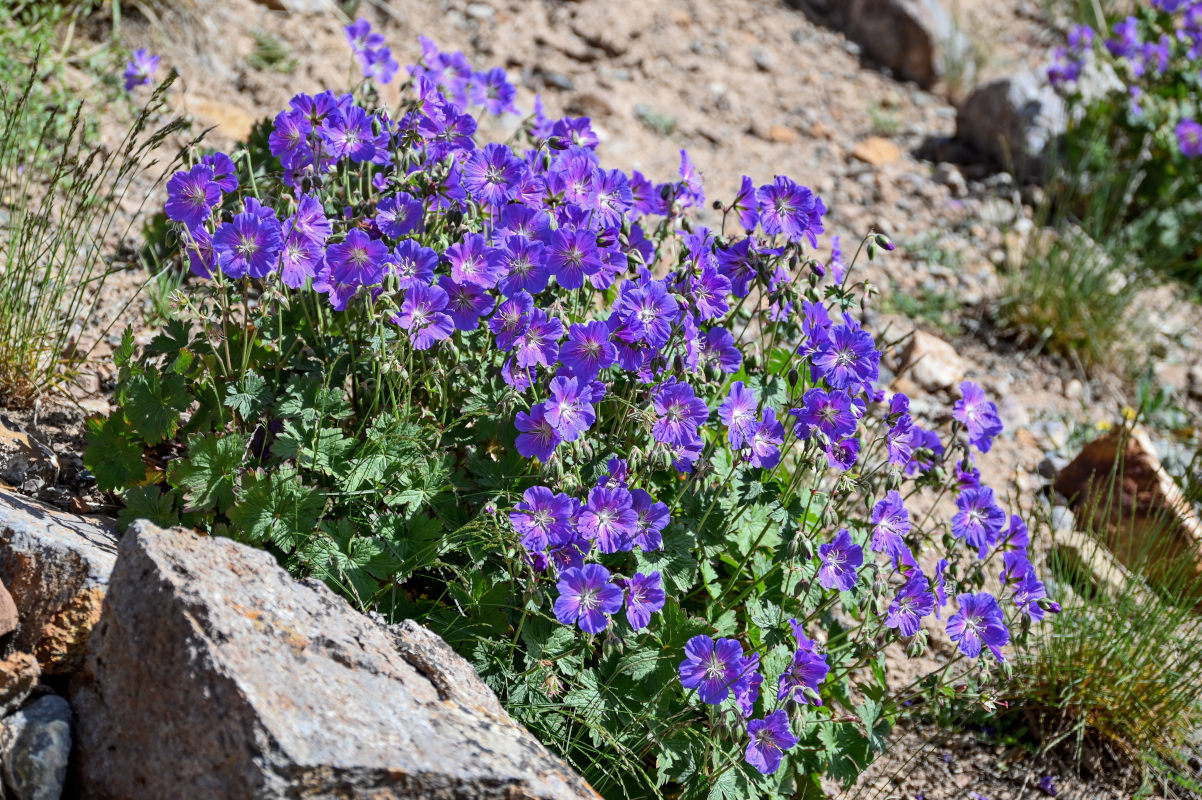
(883, 241)
(557, 143)
(606, 238)
(793, 377)
(717, 205)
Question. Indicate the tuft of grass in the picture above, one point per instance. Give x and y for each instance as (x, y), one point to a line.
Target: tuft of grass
(1117, 671)
(62, 200)
(884, 121)
(272, 54)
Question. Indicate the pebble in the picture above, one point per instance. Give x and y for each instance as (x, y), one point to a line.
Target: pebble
(480, 11)
(1062, 519)
(1074, 389)
(1051, 465)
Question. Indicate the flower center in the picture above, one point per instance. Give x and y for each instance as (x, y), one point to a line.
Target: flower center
(247, 246)
(588, 599)
(715, 668)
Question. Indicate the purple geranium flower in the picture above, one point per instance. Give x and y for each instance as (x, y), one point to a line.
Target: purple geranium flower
(747, 690)
(466, 302)
(224, 173)
(979, 520)
(979, 416)
(538, 438)
(588, 349)
(711, 667)
(357, 261)
(521, 262)
(788, 208)
(843, 453)
(678, 412)
(653, 517)
(847, 358)
(348, 134)
(766, 440)
(891, 523)
(745, 205)
(650, 312)
(770, 736)
(737, 412)
(718, 347)
(644, 596)
(511, 320)
(978, 623)
(473, 261)
(250, 244)
(610, 518)
(542, 518)
(807, 671)
(586, 596)
(490, 173)
(913, 602)
(831, 413)
(139, 69)
(412, 264)
(300, 259)
(423, 315)
(540, 343)
(191, 195)
(1189, 138)
(570, 409)
(841, 558)
(571, 253)
(399, 215)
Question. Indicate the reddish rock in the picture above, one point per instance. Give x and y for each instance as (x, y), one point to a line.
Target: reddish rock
(876, 151)
(8, 612)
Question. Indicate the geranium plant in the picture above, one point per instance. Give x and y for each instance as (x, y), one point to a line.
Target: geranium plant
(637, 469)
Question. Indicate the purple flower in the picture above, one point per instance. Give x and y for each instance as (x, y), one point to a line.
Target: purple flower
(349, 134)
(542, 518)
(412, 264)
(570, 409)
(289, 139)
(899, 441)
(540, 343)
(1016, 536)
(718, 347)
(712, 668)
(588, 349)
(249, 245)
(399, 215)
(979, 520)
(609, 517)
(913, 602)
(1189, 138)
(765, 442)
(360, 36)
(538, 438)
(571, 253)
(586, 596)
(841, 558)
(611, 197)
(423, 315)
(891, 523)
(747, 690)
(139, 69)
(843, 453)
(938, 587)
(830, 413)
(511, 320)
(847, 358)
(678, 413)
(644, 596)
(791, 209)
(978, 415)
(224, 173)
(359, 260)
(466, 303)
(199, 247)
(807, 671)
(692, 192)
(191, 196)
(745, 205)
(978, 623)
(499, 93)
(649, 312)
(299, 260)
(379, 65)
(490, 173)
(652, 519)
(310, 221)
(570, 553)
(521, 262)
(737, 412)
(1047, 785)
(770, 736)
(473, 261)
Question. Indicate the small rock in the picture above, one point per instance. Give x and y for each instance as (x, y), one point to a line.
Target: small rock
(19, 673)
(997, 212)
(1015, 120)
(820, 130)
(917, 39)
(1051, 465)
(782, 134)
(1062, 519)
(877, 151)
(950, 176)
(764, 60)
(9, 618)
(557, 80)
(480, 11)
(931, 362)
(34, 745)
(1173, 376)
(1074, 389)
(23, 457)
(56, 567)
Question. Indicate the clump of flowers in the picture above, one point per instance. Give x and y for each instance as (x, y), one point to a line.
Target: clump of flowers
(635, 462)
(1145, 125)
(139, 69)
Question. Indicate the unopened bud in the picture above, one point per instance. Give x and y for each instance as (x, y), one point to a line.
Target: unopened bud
(557, 143)
(883, 241)
(606, 238)
(793, 377)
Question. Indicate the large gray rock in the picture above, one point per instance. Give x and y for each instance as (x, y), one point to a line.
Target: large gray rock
(917, 39)
(35, 743)
(56, 566)
(213, 674)
(1018, 121)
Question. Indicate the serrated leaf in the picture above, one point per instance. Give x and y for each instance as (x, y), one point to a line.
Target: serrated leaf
(249, 396)
(175, 337)
(276, 507)
(112, 455)
(150, 503)
(153, 404)
(123, 352)
(641, 663)
(210, 471)
(674, 561)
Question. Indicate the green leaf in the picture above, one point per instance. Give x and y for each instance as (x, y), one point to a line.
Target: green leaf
(210, 471)
(154, 403)
(249, 397)
(641, 663)
(175, 337)
(124, 351)
(112, 455)
(674, 561)
(148, 502)
(276, 507)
